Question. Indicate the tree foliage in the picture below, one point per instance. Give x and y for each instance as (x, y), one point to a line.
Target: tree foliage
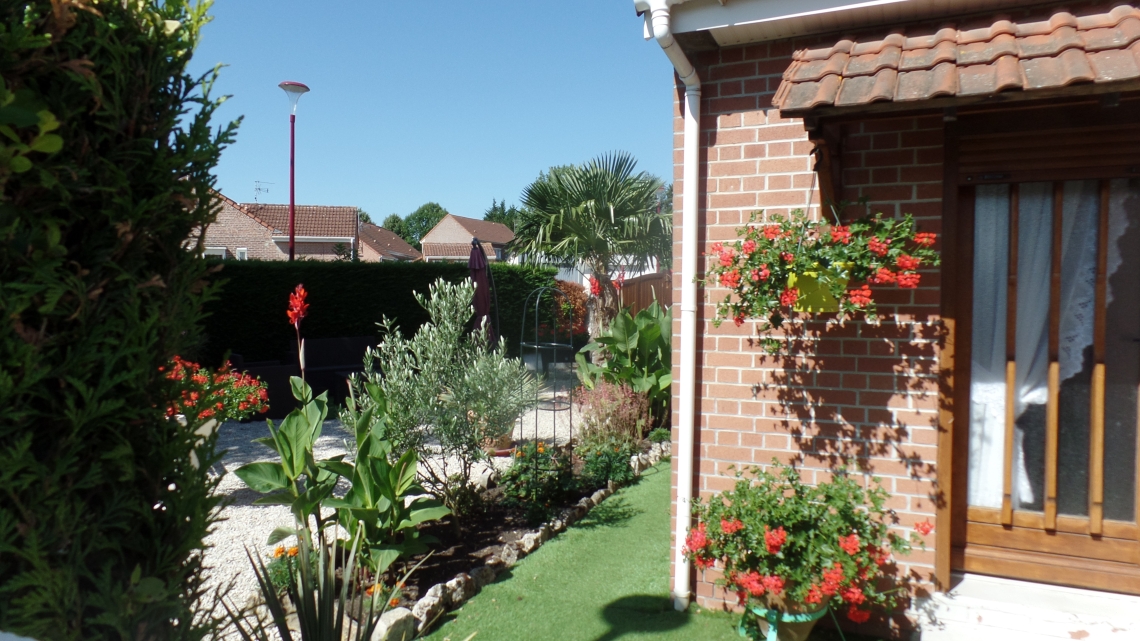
(421, 221)
(396, 225)
(104, 510)
(498, 212)
(600, 213)
(364, 216)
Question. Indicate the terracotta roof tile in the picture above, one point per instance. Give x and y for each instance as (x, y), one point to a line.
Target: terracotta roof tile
(1055, 49)
(486, 230)
(455, 250)
(309, 220)
(387, 243)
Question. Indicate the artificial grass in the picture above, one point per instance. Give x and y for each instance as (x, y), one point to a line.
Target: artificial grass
(605, 578)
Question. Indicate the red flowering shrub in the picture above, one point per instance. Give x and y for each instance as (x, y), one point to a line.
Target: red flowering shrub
(224, 394)
(845, 259)
(782, 542)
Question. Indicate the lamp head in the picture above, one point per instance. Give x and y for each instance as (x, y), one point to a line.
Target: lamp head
(294, 91)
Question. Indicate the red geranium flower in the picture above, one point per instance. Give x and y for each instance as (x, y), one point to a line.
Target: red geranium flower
(731, 527)
(730, 279)
(883, 276)
(853, 595)
(727, 257)
(841, 234)
(879, 247)
(860, 297)
(909, 281)
(787, 256)
(774, 584)
(775, 539)
(858, 616)
(761, 274)
(697, 539)
(924, 527)
(772, 232)
(789, 297)
(739, 320)
(926, 239)
(748, 247)
(849, 543)
(907, 262)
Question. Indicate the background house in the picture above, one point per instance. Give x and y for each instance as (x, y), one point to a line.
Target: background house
(1007, 128)
(451, 238)
(257, 231)
(379, 244)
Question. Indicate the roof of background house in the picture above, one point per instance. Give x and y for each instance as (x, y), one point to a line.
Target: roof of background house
(1051, 50)
(485, 230)
(387, 243)
(456, 250)
(311, 220)
(235, 205)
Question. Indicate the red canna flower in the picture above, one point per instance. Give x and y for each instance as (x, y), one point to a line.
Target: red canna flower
(297, 306)
(595, 287)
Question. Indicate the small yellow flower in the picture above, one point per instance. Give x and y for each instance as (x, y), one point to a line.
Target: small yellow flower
(279, 551)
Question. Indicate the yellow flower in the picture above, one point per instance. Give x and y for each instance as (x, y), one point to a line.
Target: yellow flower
(279, 551)
(293, 551)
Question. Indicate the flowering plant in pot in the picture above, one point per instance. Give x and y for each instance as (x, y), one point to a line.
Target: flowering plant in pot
(802, 265)
(790, 550)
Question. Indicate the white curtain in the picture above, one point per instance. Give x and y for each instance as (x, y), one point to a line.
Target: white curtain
(987, 386)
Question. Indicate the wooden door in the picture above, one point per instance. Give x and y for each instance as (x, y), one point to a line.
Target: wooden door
(1053, 378)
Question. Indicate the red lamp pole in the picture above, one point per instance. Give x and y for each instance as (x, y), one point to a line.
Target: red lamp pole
(294, 91)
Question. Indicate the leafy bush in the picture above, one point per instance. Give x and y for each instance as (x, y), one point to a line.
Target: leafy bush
(660, 435)
(450, 392)
(347, 300)
(612, 412)
(780, 541)
(106, 156)
(635, 351)
(539, 480)
(605, 460)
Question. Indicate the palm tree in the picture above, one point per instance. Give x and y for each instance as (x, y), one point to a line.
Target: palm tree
(601, 214)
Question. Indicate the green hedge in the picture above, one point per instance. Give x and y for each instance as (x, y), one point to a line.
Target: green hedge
(345, 299)
(103, 512)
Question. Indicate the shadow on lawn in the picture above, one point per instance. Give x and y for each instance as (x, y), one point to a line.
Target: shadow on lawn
(641, 613)
(613, 512)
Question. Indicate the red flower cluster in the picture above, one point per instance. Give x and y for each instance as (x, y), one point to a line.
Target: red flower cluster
(924, 527)
(727, 257)
(909, 281)
(926, 239)
(775, 539)
(595, 287)
(841, 234)
(879, 247)
(772, 232)
(857, 616)
(730, 279)
(849, 543)
(297, 306)
(787, 256)
(789, 296)
(698, 539)
(748, 247)
(755, 584)
(907, 263)
(860, 297)
(762, 274)
(224, 394)
(883, 276)
(731, 527)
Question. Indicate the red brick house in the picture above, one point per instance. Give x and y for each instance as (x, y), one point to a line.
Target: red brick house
(450, 239)
(999, 399)
(261, 232)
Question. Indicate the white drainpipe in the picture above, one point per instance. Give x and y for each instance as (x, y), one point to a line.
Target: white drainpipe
(659, 18)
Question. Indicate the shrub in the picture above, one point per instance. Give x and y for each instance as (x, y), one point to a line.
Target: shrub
(449, 391)
(660, 435)
(612, 411)
(348, 298)
(105, 173)
(605, 460)
(539, 480)
(635, 351)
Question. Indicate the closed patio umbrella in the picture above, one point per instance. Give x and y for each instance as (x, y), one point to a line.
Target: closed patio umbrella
(481, 276)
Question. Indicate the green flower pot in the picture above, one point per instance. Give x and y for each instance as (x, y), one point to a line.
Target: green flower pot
(774, 625)
(814, 296)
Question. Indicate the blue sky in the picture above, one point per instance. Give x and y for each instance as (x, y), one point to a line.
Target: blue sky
(453, 101)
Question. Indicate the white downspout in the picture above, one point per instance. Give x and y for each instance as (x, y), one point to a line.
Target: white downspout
(659, 17)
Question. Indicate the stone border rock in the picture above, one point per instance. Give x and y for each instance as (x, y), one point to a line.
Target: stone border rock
(443, 597)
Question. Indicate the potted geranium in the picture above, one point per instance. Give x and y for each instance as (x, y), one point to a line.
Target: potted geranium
(802, 265)
(790, 551)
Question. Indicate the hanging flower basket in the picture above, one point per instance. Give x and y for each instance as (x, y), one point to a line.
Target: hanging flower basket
(801, 265)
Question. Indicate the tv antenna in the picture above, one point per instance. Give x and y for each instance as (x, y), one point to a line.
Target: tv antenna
(259, 188)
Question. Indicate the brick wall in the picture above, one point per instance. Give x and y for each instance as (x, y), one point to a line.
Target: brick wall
(235, 229)
(857, 393)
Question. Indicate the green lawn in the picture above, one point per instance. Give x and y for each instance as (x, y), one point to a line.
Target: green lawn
(604, 579)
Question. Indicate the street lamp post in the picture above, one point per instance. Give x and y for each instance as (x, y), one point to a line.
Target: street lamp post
(294, 91)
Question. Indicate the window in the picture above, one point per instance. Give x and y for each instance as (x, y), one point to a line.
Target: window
(242, 253)
(215, 252)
